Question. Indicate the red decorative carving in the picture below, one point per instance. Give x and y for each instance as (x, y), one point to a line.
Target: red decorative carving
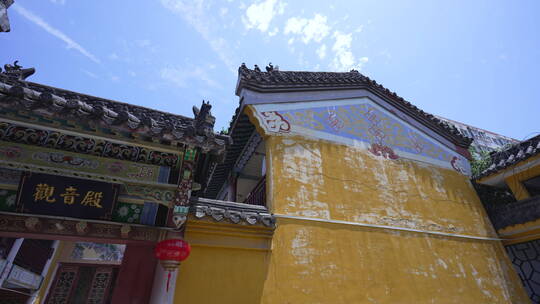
(382, 150)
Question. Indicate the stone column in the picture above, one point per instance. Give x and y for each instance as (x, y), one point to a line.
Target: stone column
(160, 295)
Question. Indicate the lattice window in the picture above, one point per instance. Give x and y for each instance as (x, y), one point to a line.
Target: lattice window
(526, 260)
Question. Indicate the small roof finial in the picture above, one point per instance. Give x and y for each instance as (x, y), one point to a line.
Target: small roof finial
(16, 71)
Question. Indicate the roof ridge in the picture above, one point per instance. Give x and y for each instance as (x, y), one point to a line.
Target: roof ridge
(23, 82)
(512, 155)
(274, 79)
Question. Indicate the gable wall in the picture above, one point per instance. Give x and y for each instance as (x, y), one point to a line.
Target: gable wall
(336, 178)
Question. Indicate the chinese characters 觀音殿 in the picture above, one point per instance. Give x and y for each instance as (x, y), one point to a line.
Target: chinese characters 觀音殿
(45, 192)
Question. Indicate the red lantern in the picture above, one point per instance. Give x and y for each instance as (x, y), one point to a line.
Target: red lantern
(170, 253)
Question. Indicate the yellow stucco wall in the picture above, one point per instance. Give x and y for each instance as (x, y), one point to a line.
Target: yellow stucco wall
(334, 263)
(228, 263)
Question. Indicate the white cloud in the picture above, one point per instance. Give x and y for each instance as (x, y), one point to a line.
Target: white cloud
(195, 13)
(321, 51)
(343, 57)
(113, 56)
(115, 78)
(273, 32)
(181, 77)
(142, 42)
(61, 2)
(89, 74)
(295, 25)
(223, 11)
(259, 15)
(70, 44)
(315, 29)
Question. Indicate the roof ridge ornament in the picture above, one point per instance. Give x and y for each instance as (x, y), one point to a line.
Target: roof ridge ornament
(16, 71)
(203, 123)
(4, 20)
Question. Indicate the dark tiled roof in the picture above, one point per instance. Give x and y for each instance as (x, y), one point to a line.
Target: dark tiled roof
(515, 213)
(241, 130)
(94, 113)
(275, 80)
(511, 156)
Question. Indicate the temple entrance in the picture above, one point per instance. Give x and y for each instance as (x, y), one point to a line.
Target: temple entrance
(80, 283)
(70, 270)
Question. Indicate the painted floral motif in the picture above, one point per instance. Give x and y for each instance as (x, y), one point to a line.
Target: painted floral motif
(8, 200)
(128, 213)
(11, 200)
(123, 211)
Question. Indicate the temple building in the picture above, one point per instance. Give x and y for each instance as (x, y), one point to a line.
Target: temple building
(87, 188)
(372, 200)
(484, 141)
(327, 188)
(510, 190)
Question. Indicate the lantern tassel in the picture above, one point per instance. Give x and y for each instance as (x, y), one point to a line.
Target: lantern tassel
(168, 279)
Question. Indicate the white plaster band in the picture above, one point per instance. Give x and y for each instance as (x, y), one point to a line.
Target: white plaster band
(302, 218)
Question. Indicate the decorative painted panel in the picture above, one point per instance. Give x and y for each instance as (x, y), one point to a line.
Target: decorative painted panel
(32, 157)
(98, 252)
(183, 190)
(358, 122)
(148, 193)
(86, 145)
(77, 228)
(128, 213)
(8, 200)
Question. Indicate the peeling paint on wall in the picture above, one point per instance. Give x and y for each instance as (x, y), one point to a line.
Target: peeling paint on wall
(316, 262)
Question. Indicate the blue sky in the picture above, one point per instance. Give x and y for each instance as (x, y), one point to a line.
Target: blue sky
(472, 61)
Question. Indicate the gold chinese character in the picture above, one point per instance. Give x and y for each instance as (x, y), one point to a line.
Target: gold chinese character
(70, 195)
(92, 199)
(44, 192)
